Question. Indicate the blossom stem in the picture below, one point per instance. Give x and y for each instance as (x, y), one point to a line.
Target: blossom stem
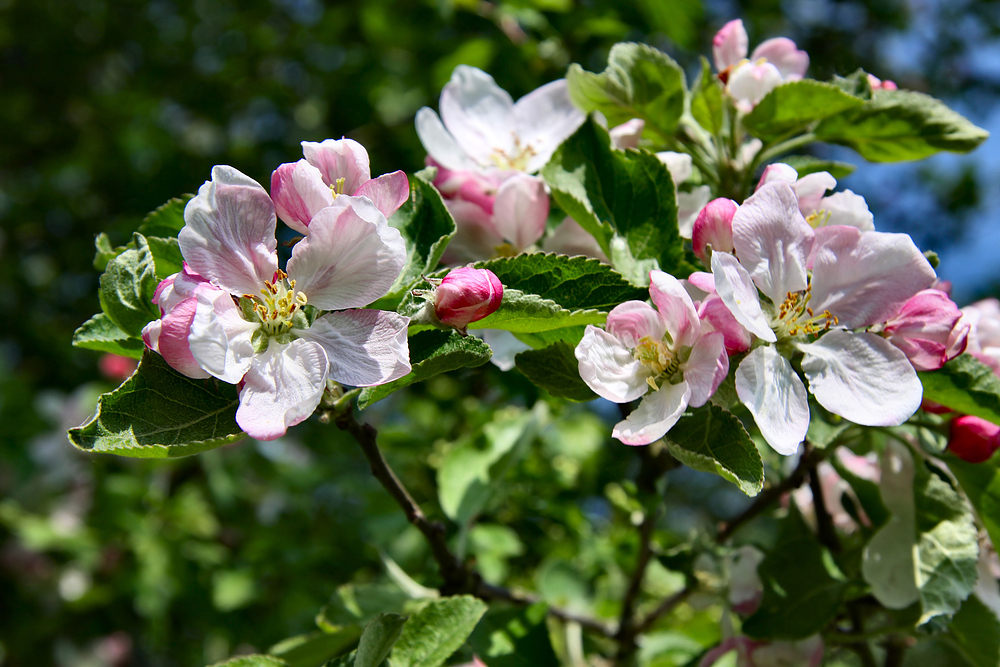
(783, 147)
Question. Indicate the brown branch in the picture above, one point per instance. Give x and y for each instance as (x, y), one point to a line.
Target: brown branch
(626, 627)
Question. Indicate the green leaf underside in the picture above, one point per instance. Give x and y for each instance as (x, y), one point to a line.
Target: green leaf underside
(101, 334)
(981, 483)
(639, 82)
(556, 370)
(159, 413)
(167, 220)
(530, 313)
(900, 125)
(316, 648)
(432, 353)
(435, 632)
(965, 385)
(378, 639)
(803, 588)
(127, 288)
(793, 106)
(575, 283)
(713, 440)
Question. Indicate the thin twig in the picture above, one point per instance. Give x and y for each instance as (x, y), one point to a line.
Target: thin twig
(487, 591)
(626, 627)
(665, 607)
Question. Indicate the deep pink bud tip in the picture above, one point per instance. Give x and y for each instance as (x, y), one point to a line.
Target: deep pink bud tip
(973, 439)
(467, 295)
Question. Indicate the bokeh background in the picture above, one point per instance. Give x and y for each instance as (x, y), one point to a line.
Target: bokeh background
(110, 107)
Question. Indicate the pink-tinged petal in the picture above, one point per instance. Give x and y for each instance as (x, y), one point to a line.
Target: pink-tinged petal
(478, 114)
(675, 307)
(779, 172)
(339, 158)
(656, 414)
(632, 321)
(350, 257)
(388, 192)
(745, 587)
(848, 208)
(783, 54)
(364, 347)
(773, 241)
(476, 237)
(439, 143)
(467, 295)
(220, 340)
(775, 396)
(569, 238)
(689, 204)
(703, 280)
(706, 368)
(730, 45)
(299, 193)
(714, 227)
(282, 388)
(169, 337)
(984, 317)
(608, 367)
(680, 165)
(864, 277)
(521, 210)
(228, 235)
(862, 378)
(750, 82)
(475, 187)
(543, 119)
(923, 329)
(628, 134)
(716, 316)
(811, 188)
(738, 293)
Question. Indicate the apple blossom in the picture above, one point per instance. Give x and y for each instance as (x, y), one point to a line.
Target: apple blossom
(745, 588)
(927, 329)
(820, 210)
(820, 286)
(973, 439)
(749, 653)
(332, 168)
(772, 63)
(467, 295)
(661, 355)
(983, 318)
(243, 320)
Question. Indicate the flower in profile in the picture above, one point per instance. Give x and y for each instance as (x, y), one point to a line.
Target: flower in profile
(928, 329)
(234, 315)
(820, 210)
(772, 63)
(330, 169)
(467, 295)
(820, 287)
(660, 354)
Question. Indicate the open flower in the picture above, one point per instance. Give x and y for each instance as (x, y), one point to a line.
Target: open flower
(820, 210)
(332, 168)
(820, 286)
(248, 324)
(772, 63)
(928, 329)
(660, 354)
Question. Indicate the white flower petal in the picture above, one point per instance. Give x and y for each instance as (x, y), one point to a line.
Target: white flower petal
(811, 188)
(339, 158)
(706, 368)
(282, 388)
(737, 291)
(862, 377)
(364, 347)
(350, 257)
(689, 205)
(543, 119)
(632, 321)
(479, 114)
(656, 414)
(607, 366)
(768, 386)
(220, 339)
(228, 235)
(680, 165)
(521, 210)
(848, 208)
(439, 143)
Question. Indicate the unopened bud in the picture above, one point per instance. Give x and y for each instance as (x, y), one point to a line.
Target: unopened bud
(973, 439)
(467, 295)
(714, 227)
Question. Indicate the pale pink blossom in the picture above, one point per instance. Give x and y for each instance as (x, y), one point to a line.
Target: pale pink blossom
(772, 63)
(467, 295)
(820, 210)
(248, 326)
(928, 329)
(661, 355)
(745, 587)
(714, 314)
(749, 653)
(820, 286)
(332, 168)
(983, 320)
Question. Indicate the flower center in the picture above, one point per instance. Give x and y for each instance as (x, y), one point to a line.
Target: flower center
(277, 303)
(819, 218)
(795, 317)
(517, 160)
(657, 357)
(338, 187)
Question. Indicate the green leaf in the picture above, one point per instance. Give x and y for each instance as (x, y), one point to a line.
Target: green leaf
(426, 227)
(639, 82)
(556, 370)
(357, 604)
(707, 100)
(711, 439)
(127, 288)
(792, 107)
(167, 256)
(975, 629)
(101, 334)
(901, 125)
(378, 639)
(947, 549)
(257, 660)
(965, 385)
(316, 648)
(575, 283)
(432, 353)
(807, 164)
(530, 313)
(626, 199)
(469, 476)
(105, 252)
(514, 637)
(167, 220)
(436, 631)
(803, 588)
(159, 413)
(570, 335)
(981, 483)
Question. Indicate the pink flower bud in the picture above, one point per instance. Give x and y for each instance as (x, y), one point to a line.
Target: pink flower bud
(116, 367)
(973, 439)
(467, 295)
(714, 226)
(730, 45)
